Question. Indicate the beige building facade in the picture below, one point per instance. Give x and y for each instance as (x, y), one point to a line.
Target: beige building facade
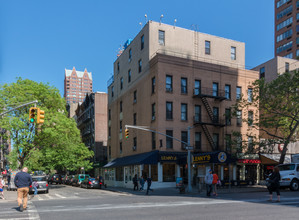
(169, 79)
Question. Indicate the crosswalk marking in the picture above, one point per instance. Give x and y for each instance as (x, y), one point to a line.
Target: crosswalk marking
(60, 196)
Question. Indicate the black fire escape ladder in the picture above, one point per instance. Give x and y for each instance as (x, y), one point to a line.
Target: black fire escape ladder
(208, 108)
(208, 135)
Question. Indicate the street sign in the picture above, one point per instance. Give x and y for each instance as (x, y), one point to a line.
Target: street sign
(189, 148)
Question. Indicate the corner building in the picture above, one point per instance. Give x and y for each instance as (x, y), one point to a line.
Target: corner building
(168, 79)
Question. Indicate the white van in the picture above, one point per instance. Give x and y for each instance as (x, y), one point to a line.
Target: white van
(289, 174)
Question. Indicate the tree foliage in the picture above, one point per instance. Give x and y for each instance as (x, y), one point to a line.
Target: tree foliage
(278, 118)
(54, 145)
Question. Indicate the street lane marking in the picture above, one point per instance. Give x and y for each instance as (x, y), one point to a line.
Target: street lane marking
(60, 196)
(32, 212)
(47, 195)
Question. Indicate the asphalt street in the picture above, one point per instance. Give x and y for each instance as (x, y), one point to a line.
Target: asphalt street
(65, 202)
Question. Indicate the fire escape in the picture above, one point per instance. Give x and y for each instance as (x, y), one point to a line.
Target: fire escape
(213, 116)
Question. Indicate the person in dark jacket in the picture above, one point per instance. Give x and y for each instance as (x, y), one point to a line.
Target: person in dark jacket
(274, 186)
(23, 181)
(135, 182)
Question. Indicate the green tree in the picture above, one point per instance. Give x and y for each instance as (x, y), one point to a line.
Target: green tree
(54, 145)
(278, 116)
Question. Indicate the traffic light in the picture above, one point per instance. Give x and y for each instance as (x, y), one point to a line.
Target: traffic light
(32, 113)
(127, 133)
(40, 116)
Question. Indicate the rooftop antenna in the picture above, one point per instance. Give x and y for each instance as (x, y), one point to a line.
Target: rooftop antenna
(140, 23)
(145, 18)
(174, 22)
(162, 16)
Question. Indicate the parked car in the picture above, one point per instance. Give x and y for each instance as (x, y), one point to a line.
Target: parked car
(289, 174)
(55, 178)
(67, 179)
(90, 183)
(42, 184)
(76, 181)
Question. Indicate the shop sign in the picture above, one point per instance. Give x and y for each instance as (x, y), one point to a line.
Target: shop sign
(168, 158)
(202, 159)
(249, 161)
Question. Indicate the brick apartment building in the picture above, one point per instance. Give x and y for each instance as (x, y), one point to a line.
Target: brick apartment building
(168, 79)
(286, 28)
(91, 117)
(76, 85)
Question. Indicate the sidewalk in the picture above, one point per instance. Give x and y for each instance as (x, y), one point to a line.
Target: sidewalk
(195, 191)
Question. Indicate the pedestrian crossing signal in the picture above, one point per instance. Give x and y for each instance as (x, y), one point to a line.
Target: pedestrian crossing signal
(127, 133)
(32, 113)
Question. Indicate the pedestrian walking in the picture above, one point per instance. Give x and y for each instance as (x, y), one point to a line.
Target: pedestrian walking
(135, 182)
(141, 181)
(2, 184)
(149, 183)
(274, 185)
(209, 181)
(214, 183)
(23, 180)
(35, 186)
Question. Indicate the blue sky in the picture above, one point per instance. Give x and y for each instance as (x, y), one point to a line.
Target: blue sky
(39, 39)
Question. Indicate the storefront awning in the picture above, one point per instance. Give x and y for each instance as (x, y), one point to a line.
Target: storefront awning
(177, 157)
(144, 158)
(272, 159)
(212, 157)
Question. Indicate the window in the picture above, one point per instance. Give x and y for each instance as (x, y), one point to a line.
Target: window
(287, 67)
(134, 143)
(153, 140)
(284, 12)
(109, 114)
(284, 23)
(284, 47)
(168, 83)
(109, 151)
(184, 114)
(112, 91)
(238, 93)
(139, 66)
(130, 55)
(239, 118)
(250, 95)
(250, 144)
(184, 138)
(216, 141)
(228, 142)
(207, 47)
(169, 140)
(117, 68)
(135, 96)
(153, 84)
(215, 89)
(233, 53)
(197, 140)
(227, 92)
(168, 110)
(135, 119)
(284, 35)
(281, 2)
(197, 87)
(153, 111)
(120, 126)
(129, 75)
(227, 116)
(184, 86)
(262, 72)
(161, 37)
(120, 106)
(121, 83)
(290, 55)
(239, 143)
(142, 42)
(109, 132)
(215, 115)
(250, 118)
(197, 115)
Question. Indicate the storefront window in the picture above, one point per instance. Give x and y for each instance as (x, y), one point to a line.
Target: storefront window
(119, 174)
(168, 172)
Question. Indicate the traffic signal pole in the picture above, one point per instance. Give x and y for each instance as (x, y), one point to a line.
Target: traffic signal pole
(187, 144)
(28, 103)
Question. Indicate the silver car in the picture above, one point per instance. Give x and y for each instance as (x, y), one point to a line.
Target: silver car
(42, 184)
